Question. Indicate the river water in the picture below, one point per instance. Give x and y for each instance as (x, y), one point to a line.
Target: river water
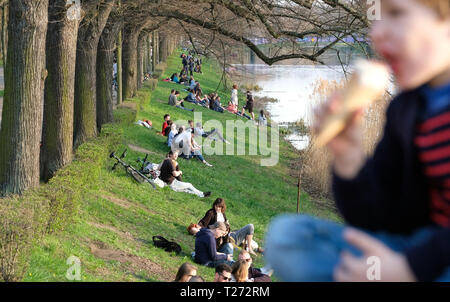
(293, 86)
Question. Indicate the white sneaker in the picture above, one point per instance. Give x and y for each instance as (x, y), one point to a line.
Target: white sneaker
(227, 142)
(208, 164)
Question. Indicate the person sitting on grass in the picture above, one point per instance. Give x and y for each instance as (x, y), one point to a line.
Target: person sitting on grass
(168, 128)
(233, 109)
(395, 202)
(172, 133)
(206, 249)
(173, 100)
(164, 126)
(223, 273)
(242, 236)
(183, 79)
(190, 97)
(239, 271)
(197, 90)
(209, 134)
(169, 171)
(193, 149)
(192, 83)
(216, 105)
(254, 274)
(262, 120)
(174, 78)
(185, 272)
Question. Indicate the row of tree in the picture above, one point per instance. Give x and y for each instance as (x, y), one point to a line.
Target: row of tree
(60, 53)
(59, 79)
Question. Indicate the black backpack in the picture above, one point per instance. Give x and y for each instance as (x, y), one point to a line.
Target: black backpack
(168, 246)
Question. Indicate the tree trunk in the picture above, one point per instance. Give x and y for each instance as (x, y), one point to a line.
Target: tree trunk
(21, 130)
(154, 60)
(156, 49)
(129, 62)
(140, 62)
(119, 68)
(148, 68)
(5, 35)
(85, 124)
(163, 51)
(57, 136)
(105, 62)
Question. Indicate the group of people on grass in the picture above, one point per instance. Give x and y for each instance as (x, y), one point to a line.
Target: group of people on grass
(214, 247)
(212, 101)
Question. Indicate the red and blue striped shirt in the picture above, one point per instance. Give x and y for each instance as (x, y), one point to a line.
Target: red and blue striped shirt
(433, 142)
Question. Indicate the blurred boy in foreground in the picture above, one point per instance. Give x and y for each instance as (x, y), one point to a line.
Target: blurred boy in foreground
(399, 199)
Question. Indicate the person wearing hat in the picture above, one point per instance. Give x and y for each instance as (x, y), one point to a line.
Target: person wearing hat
(205, 246)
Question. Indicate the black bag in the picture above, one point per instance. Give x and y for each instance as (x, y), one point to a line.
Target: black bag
(168, 246)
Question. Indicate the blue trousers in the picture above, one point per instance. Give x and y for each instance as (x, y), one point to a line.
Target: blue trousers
(182, 107)
(302, 248)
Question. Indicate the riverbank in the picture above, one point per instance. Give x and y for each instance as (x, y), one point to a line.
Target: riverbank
(115, 217)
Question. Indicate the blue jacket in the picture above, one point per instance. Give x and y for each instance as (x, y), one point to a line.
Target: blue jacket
(205, 247)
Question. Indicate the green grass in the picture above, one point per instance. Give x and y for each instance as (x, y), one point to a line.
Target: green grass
(254, 194)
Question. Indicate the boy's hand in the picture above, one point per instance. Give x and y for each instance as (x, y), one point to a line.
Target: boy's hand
(393, 266)
(347, 147)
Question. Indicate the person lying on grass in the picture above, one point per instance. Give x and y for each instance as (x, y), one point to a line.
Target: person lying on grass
(396, 203)
(169, 172)
(198, 130)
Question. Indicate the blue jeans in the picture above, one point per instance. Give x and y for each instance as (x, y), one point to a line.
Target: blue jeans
(302, 248)
(182, 107)
(226, 248)
(193, 154)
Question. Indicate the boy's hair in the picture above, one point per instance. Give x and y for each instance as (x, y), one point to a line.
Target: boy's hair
(223, 268)
(166, 115)
(442, 7)
(172, 91)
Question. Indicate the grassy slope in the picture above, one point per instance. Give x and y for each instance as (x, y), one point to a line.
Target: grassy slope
(112, 236)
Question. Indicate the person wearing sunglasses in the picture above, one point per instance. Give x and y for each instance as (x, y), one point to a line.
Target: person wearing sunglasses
(223, 273)
(254, 274)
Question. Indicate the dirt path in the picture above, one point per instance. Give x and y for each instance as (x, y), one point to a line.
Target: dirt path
(131, 263)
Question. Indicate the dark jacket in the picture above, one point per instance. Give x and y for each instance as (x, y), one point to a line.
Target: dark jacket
(390, 192)
(205, 247)
(256, 274)
(211, 218)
